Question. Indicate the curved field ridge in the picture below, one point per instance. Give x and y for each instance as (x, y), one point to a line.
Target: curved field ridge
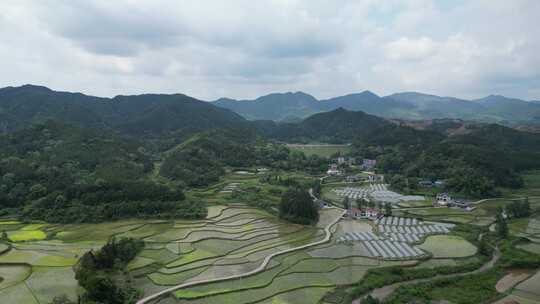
(262, 267)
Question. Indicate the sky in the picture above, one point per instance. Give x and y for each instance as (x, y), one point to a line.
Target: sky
(244, 48)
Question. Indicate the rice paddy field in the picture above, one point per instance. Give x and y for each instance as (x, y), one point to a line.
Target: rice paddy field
(526, 292)
(36, 263)
(448, 246)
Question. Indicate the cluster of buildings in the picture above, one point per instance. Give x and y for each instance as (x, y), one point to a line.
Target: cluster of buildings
(368, 164)
(445, 200)
(340, 162)
(428, 183)
(364, 213)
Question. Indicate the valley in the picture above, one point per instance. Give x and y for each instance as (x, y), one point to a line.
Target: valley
(341, 207)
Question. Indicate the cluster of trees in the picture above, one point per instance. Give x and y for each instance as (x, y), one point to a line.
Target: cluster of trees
(297, 206)
(201, 160)
(474, 164)
(95, 272)
(519, 209)
(60, 173)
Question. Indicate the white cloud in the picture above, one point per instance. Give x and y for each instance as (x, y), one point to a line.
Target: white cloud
(245, 48)
(410, 49)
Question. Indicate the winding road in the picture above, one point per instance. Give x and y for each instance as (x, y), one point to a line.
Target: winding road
(262, 267)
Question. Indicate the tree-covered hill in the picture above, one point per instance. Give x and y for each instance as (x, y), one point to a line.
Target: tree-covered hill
(202, 159)
(474, 163)
(147, 114)
(61, 173)
(337, 126)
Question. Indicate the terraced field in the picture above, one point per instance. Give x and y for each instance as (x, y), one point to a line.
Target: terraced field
(231, 241)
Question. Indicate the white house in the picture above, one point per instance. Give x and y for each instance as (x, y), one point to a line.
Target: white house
(443, 199)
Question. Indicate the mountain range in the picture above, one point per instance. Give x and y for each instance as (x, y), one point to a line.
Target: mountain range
(147, 114)
(408, 105)
(282, 116)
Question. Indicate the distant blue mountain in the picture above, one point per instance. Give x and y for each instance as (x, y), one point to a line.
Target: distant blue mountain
(407, 105)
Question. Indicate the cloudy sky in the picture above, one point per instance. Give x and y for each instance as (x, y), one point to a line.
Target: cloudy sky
(246, 48)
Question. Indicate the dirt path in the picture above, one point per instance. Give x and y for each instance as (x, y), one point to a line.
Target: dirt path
(261, 268)
(383, 292)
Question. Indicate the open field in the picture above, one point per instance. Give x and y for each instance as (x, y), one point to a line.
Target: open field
(320, 150)
(448, 246)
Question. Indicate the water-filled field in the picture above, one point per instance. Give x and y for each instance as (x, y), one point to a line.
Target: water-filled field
(232, 240)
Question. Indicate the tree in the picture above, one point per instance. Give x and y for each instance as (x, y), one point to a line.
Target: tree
(371, 300)
(346, 203)
(519, 209)
(502, 226)
(360, 203)
(63, 299)
(484, 248)
(297, 206)
(316, 188)
(387, 209)
(526, 207)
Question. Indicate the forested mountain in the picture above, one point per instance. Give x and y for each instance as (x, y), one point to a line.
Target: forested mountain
(277, 106)
(148, 114)
(408, 105)
(337, 126)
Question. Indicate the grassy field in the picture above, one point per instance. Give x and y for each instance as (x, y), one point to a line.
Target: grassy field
(320, 149)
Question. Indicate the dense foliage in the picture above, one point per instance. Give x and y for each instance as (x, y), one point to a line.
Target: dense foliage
(202, 159)
(59, 173)
(519, 208)
(297, 206)
(95, 272)
(474, 164)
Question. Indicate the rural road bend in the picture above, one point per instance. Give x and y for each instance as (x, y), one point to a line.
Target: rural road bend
(261, 267)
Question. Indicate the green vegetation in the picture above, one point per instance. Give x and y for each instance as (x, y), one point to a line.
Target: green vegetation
(321, 150)
(83, 175)
(298, 207)
(470, 289)
(473, 164)
(93, 272)
(137, 170)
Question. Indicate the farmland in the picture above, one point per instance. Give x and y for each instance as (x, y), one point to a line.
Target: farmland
(207, 258)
